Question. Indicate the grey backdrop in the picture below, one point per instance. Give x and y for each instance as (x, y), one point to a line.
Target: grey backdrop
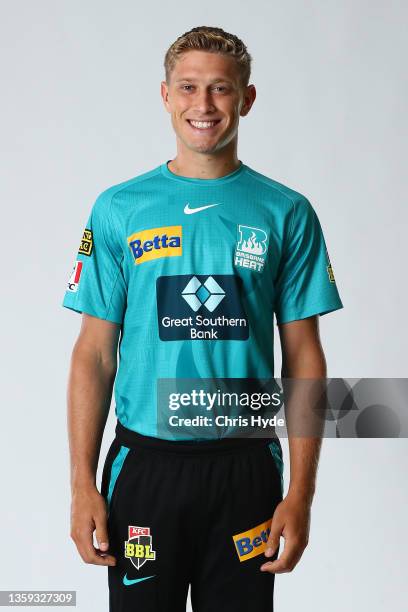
(80, 111)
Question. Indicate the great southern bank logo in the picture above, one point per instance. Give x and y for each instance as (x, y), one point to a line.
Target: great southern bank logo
(201, 307)
(251, 248)
(208, 294)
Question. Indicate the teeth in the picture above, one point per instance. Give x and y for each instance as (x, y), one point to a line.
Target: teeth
(203, 124)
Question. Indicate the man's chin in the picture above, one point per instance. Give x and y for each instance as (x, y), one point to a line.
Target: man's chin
(206, 150)
(203, 148)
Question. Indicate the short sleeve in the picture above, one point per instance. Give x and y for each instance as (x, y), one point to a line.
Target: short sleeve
(96, 284)
(305, 284)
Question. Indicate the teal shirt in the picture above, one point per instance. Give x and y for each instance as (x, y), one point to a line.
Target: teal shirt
(194, 271)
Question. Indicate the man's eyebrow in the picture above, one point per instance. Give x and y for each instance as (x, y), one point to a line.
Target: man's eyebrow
(220, 80)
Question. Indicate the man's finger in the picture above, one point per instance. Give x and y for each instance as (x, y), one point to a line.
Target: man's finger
(288, 559)
(101, 532)
(89, 553)
(279, 566)
(273, 541)
(92, 555)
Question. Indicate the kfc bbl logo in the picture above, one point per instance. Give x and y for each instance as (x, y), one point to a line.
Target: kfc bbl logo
(138, 546)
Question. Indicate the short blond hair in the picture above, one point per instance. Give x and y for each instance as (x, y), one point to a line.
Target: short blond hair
(213, 40)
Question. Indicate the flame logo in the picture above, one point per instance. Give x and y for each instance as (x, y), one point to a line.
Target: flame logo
(252, 245)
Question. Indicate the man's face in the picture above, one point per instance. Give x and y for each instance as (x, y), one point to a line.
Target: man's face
(205, 87)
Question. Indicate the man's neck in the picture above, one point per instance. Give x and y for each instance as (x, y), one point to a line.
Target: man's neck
(203, 166)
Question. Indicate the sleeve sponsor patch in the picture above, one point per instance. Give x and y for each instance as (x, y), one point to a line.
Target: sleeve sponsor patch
(330, 273)
(75, 276)
(86, 242)
(329, 268)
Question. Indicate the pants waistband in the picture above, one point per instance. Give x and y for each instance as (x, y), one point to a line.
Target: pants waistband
(133, 439)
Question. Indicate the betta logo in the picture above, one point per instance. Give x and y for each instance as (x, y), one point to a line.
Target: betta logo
(154, 243)
(251, 543)
(251, 248)
(138, 546)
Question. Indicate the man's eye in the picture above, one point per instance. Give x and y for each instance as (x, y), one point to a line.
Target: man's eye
(189, 87)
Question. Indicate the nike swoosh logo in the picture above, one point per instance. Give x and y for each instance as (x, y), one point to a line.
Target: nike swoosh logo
(128, 582)
(190, 211)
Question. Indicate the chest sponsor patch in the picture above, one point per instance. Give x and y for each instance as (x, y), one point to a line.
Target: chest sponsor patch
(201, 307)
(251, 543)
(156, 242)
(251, 248)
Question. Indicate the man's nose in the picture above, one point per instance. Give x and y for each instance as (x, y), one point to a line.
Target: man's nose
(204, 102)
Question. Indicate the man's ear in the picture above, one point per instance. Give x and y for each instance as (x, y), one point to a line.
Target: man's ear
(164, 91)
(249, 99)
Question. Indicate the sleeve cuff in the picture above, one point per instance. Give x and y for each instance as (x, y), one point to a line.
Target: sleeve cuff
(91, 311)
(318, 309)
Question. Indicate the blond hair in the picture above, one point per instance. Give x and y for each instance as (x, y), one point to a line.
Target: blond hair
(212, 40)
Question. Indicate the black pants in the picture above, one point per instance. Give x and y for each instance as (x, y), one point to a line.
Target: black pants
(194, 513)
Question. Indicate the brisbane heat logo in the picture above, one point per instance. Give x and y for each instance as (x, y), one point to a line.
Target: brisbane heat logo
(138, 546)
(154, 243)
(251, 248)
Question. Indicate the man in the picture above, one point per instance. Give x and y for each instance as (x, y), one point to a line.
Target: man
(182, 268)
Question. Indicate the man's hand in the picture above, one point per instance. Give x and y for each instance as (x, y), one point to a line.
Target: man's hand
(291, 519)
(89, 513)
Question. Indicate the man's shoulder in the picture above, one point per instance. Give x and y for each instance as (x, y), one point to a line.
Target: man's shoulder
(105, 197)
(277, 188)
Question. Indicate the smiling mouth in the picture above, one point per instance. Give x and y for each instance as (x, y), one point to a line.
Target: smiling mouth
(203, 126)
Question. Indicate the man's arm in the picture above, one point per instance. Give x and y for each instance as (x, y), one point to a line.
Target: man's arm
(91, 377)
(302, 358)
